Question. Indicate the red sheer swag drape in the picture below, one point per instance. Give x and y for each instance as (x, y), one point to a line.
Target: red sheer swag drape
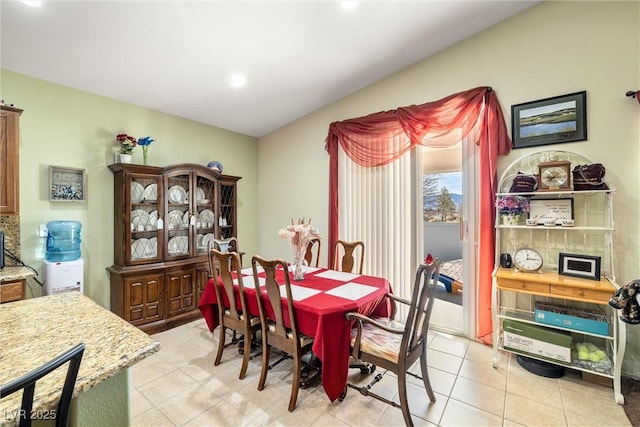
(372, 141)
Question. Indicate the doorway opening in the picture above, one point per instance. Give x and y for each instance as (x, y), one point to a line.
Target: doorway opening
(443, 219)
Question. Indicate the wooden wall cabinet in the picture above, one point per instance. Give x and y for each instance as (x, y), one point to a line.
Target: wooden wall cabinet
(165, 220)
(9, 160)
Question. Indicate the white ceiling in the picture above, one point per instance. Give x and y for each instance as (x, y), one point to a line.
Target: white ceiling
(177, 57)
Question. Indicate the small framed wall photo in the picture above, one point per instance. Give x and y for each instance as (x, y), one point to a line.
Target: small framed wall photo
(584, 266)
(67, 184)
(550, 120)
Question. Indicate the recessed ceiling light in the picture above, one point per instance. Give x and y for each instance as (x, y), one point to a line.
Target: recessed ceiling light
(238, 80)
(349, 4)
(32, 3)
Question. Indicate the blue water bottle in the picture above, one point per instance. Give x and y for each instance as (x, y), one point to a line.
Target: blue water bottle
(63, 240)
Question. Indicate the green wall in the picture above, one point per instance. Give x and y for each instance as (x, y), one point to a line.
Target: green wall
(62, 126)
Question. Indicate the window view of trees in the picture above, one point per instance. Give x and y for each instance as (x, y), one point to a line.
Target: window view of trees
(442, 197)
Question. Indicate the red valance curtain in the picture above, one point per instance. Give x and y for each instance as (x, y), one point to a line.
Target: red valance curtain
(473, 113)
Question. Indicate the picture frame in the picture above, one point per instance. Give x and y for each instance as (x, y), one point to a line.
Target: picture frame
(550, 120)
(583, 266)
(67, 184)
(550, 211)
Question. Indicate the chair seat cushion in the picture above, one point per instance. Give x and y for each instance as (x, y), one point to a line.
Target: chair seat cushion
(378, 342)
(253, 320)
(304, 339)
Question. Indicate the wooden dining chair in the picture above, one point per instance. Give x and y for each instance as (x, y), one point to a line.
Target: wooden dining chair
(27, 383)
(275, 333)
(345, 255)
(222, 245)
(229, 315)
(395, 346)
(308, 255)
(226, 245)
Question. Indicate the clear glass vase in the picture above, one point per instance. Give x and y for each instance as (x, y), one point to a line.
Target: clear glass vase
(299, 267)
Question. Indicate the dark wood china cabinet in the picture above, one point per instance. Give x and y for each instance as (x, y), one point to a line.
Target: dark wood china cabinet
(165, 219)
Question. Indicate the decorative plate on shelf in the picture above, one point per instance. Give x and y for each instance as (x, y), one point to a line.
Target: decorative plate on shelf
(150, 192)
(177, 195)
(200, 195)
(207, 240)
(185, 218)
(153, 218)
(207, 217)
(137, 192)
(178, 245)
(140, 249)
(175, 219)
(139, 217)
(153, 247)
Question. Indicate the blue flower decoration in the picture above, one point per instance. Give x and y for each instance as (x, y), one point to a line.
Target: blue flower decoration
(147, 140)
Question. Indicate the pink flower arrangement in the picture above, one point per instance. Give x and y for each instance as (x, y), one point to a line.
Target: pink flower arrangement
(127, 143)
(299, 235)
(513, 204)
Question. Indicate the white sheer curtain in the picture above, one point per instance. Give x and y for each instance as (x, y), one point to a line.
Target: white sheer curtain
(377, 205)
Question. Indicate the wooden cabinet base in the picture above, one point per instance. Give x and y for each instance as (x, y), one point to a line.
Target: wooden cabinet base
(160, 296)
(172, 322)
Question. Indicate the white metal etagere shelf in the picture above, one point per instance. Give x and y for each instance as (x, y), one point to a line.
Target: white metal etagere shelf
(592, 234)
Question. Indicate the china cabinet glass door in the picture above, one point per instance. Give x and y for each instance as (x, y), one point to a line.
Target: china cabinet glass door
(204, 221)
(227, 216)
(179, 213)
(143, 242)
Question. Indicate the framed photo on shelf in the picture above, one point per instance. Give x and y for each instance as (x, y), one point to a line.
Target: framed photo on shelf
(583, 266)
(550, 121)
(67, 184)
(551, 211)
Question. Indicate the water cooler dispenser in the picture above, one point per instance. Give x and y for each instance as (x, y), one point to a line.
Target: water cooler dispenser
(64, 269)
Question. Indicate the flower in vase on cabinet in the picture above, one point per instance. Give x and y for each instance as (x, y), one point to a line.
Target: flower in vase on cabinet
(127, 143)
(513, 209)
(144, 142)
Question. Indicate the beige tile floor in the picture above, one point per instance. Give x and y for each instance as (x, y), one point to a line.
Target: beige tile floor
(179, 386)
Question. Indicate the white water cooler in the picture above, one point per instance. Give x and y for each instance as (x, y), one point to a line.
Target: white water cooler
(63, 276)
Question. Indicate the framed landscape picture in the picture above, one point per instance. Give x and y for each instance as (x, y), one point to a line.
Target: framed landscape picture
(550, 120)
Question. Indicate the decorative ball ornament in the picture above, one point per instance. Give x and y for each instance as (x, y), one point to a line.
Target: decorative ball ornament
(215, 166)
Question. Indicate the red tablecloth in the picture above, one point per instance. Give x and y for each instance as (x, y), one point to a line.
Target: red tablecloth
(320, 315)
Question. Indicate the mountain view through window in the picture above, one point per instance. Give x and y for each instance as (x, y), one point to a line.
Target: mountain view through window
(442, 196)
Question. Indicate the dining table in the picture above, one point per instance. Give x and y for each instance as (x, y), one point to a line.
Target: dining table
(321, 301)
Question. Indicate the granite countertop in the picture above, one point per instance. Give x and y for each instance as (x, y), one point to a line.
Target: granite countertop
(8, 273)
(35, 330)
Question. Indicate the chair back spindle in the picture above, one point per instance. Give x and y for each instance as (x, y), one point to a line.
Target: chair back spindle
(309, 254)
(346, 254)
